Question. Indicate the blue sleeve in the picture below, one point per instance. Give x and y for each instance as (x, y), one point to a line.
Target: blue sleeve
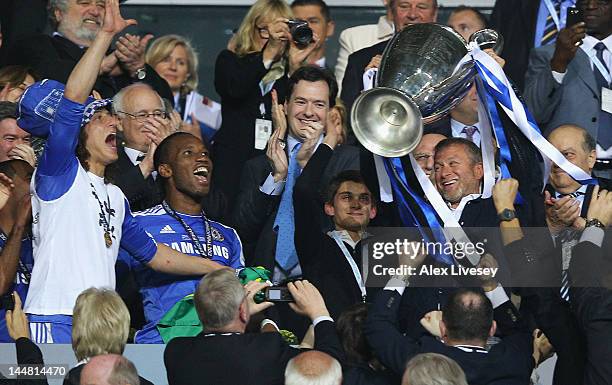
(135, 240)
(58, 164)
(237, 259)
(123, 265)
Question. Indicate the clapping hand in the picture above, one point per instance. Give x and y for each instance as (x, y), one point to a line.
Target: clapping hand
(113, 21)
(600, 206)
(276, 144)
(6, 189)
(131, 51)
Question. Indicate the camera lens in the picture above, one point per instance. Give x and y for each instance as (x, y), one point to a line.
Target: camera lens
(300, 32)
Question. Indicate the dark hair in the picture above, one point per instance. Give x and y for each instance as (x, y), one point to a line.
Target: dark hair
(14, 75)
(162, 153)
(312, 73)
(320, 3)
(479, 15)
(350, 330)
(82, 154)
(471, 149)
(468, 315)
(8, 110)
(8, 167)
(341, 177)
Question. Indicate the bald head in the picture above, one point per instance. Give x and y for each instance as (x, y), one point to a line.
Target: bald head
(109, 369)
(313, 367)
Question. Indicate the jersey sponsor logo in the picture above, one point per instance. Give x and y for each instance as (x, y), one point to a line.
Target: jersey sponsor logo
(187, 248)
(216, 235)
(167, 230)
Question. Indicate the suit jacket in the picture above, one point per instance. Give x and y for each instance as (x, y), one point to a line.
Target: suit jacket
(256, 358)
(577, 101)
(509, 362)
(237, 82)
(516, 21)
(254, 213)
(358, 37)
(27, 354)
(74, 377)
(54, 57)
(352, 84)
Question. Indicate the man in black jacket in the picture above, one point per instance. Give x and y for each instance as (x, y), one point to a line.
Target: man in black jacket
(223, 354)
(77, 24)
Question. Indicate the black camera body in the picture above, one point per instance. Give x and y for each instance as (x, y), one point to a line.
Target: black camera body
(301, 33)
(7, 302)
(278, 294)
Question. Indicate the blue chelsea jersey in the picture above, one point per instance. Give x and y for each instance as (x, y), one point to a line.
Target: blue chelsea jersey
(161, 291)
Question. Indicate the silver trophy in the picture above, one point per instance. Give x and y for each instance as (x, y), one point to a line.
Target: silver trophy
(419, 81)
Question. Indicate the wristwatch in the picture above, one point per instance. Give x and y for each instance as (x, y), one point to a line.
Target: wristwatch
(141, 73)
(594, 222)
(507, 215)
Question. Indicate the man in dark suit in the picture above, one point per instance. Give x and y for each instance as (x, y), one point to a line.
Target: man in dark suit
(223, 354)
(404, 12)
(466, 322)
(267, 181)
(77, 24)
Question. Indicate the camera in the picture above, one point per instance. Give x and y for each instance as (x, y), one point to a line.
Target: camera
(300, 32)
(7, 302)
(278, 294)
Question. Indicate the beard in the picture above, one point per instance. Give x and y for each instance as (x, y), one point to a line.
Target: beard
(77, 29)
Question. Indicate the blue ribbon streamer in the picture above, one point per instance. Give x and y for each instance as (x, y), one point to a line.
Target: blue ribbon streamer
(398, 180)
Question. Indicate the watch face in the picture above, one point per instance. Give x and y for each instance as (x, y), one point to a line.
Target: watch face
(141, 74)
(507, 214)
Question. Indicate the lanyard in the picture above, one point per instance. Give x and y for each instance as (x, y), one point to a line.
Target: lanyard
(208, 253)
(600, 66)
(351, 262)
(553, 13)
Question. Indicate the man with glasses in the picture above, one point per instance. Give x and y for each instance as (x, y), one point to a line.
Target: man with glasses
(144, 124)
(568, 83)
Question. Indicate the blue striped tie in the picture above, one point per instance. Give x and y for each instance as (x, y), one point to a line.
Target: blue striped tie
(604, 134)
(550, 28)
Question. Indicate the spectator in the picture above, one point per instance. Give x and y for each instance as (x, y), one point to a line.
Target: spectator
(563, 73)
(361, 366)
(466, 20)
(174, 58)
(101, 324)
(263, 56)
(69, 189)
(424, 152)
(76, 25)
(355, 38)
(15, 143)
(13, 82)
(319, 19)
(465, 323)
(144, 124)
(433, 368)
(404, 12)
(16, 261)
(110, 369)
(310, 368)
(185, 168)
(225, 353)
(262, 207)
(525, 25)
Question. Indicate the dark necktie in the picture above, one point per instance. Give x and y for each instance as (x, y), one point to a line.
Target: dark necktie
(604, 134)
(550, 28)
(469, 132)
(140, 157)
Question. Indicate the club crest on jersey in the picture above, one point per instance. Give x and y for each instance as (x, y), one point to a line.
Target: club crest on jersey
(217, 236)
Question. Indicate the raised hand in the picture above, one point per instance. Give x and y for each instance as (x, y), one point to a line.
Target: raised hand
(131, 51)
(277, 43)
(312, 133)
(308, 300)
(568, 41)
(504, 193)
(600, 206)
(113, 21)
(16, 320)
(252, 288)
(298, 55)
(279, 119)
(6, 189)
(24, 152)
(431, 323)
(158, 128)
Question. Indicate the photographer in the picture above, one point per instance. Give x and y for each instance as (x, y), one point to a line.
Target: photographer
(261, 56)
(224, 353)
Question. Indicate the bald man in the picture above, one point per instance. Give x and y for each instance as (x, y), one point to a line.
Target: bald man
(313, 367)
(425, 150)
(109, 369)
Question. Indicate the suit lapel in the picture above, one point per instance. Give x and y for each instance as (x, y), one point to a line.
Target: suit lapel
(582, 66)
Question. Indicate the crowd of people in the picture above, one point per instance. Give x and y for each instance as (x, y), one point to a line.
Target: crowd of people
(238, 232)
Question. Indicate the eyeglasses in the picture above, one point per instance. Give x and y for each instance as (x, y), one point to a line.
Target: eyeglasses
(142, 116)
(263, 32)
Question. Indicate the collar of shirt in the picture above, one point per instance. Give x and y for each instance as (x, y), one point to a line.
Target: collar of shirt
(60, 35)
(320, 62)
(457, 127)
(344, 236)
(588, 46)
(471, 348)
(133, 155)
(459, 209)
(580, 197)
(384, 28)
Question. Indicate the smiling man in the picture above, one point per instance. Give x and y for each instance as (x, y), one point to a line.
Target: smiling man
(184, 165)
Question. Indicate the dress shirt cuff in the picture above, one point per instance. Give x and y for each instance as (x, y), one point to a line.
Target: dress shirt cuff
(267, 321)
(396, 283)
(270, 187)
(558, 76)
(321, 318)
(497, 296)
(593, 234)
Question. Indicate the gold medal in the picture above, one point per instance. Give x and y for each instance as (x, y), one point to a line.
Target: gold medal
(107, 239)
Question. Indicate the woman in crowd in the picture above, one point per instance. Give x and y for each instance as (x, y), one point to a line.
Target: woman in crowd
(260, 58)
(13, 82)
(175, 60)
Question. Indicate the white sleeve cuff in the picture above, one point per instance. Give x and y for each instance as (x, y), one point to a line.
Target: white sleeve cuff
(267, 321)
(593, 234)
(558, 76)
(270, 187)
(321, 319)
(396, 284)
(497, 296)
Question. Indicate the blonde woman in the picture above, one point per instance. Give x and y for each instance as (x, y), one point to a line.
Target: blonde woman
(261, 57)
(175, 60)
